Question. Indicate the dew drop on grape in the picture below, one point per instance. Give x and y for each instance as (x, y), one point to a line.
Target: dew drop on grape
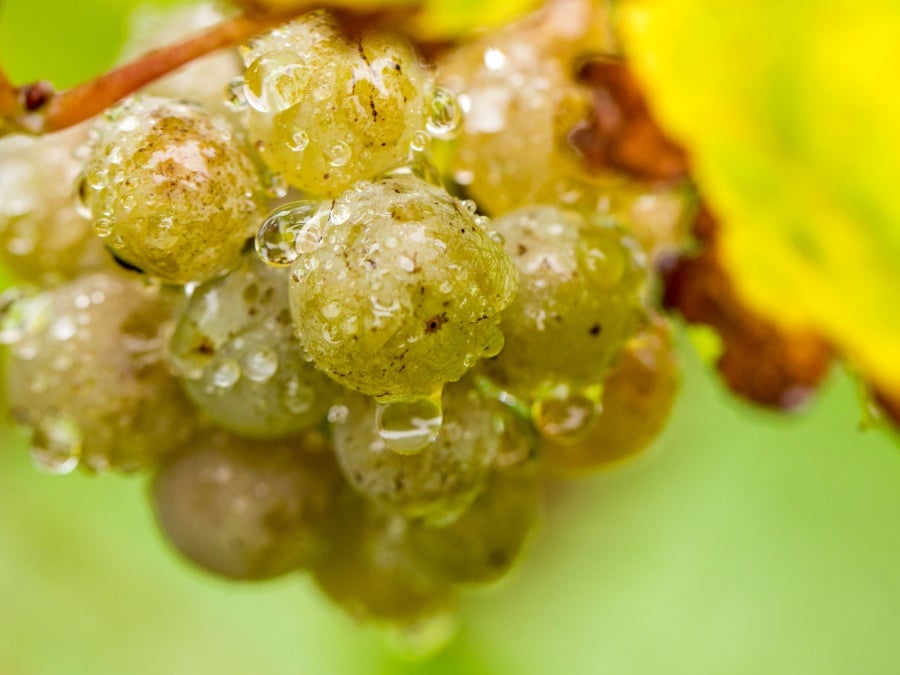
(409, 427)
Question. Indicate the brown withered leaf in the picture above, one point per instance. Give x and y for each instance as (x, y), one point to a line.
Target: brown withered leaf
(621, 134)
(759, 361)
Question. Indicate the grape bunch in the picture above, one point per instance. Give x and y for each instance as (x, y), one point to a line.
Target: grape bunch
(290, 312)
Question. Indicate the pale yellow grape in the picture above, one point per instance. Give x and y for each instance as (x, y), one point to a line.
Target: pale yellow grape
(326, 111)
(88, 373)
(43, 237)
(248, 509)
(171, 190)
(404, 292)
(520, 103)
(579, 300)
(438, 482)
(239, 361)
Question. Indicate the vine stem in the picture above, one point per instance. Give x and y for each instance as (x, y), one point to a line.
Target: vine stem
(37, 109)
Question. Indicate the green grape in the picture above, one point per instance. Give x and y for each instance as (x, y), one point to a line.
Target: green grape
(637, 400)
(520, 104)
(404, 291)
(438, 482)
(371, 574)
(579, 300)
(171, 189)
(43, 237)
(239, 361)
(483, 544)
(327, 111)
(204, 80)
(248, 509)
(87, 374)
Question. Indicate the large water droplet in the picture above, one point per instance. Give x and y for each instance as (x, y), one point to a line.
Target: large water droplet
(274, 81)
(567, 418)
(339, 154)
(288, 231)
(444, 114)
(56, 445)
(410, 427)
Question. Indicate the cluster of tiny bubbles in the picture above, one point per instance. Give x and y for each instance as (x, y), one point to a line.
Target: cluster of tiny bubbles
(56, 445)
(408, 427)
(293, 229)
(23, 311)
(566, 417)
(444, 114)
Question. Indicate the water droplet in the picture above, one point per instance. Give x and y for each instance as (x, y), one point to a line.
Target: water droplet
(274, 81)
(565, 418)
(128, 202)
(602, 260)
(494, 345)
(340, 213)
(226, 374)
(409, 427)
(63, 329)
(261, 364)
(323, 91)
(274, 185)
(337, 414)
(339, 154)
(332, 310)
(419, 141)
(103, 227)
(235, 98)
(298, 395)
(161, 233)
(288, 231)
(444, 114)
(470, 206)
(95, 177)
(21, 312)
(299, 141)
(56, 445)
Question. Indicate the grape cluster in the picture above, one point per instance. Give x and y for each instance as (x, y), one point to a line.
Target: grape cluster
(289, 313)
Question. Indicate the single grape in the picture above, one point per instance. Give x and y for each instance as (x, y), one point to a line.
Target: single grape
(637, 400)
(248, 509)
(579, 300)
(87, 374)
(43, 236)
(484, 543)
(327, 111)
(371, 574)
(171, 190)
(438, 482)
(239, 361)
(520, 103)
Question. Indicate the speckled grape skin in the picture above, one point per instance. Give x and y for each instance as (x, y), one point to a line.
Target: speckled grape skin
(404, 295)
(485, 542)
(43, 237)
(226, 323)
(579, 300)
(179, 195)
(96, 360)
(637, 399)
(520, 105)
(438, 482)
(365, 97)
(247, 509)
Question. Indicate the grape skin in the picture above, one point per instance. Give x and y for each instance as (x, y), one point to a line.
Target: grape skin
(402, 296)
(437, 483)
(94, 359)
(325, 111)
(247, 510)
(579, 294)
(242, 321)
(171, 189)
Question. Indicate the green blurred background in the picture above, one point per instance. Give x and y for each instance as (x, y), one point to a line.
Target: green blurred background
(745, 542)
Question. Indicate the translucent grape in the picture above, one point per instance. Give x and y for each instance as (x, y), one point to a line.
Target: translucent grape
(178, 194)
(247, 509)
(438, 482)
(239, 360)
(484, 543)
(579, 300)
(87, 374)
(356, 104)
(43, 236)
(637, 400)
(403, 296)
